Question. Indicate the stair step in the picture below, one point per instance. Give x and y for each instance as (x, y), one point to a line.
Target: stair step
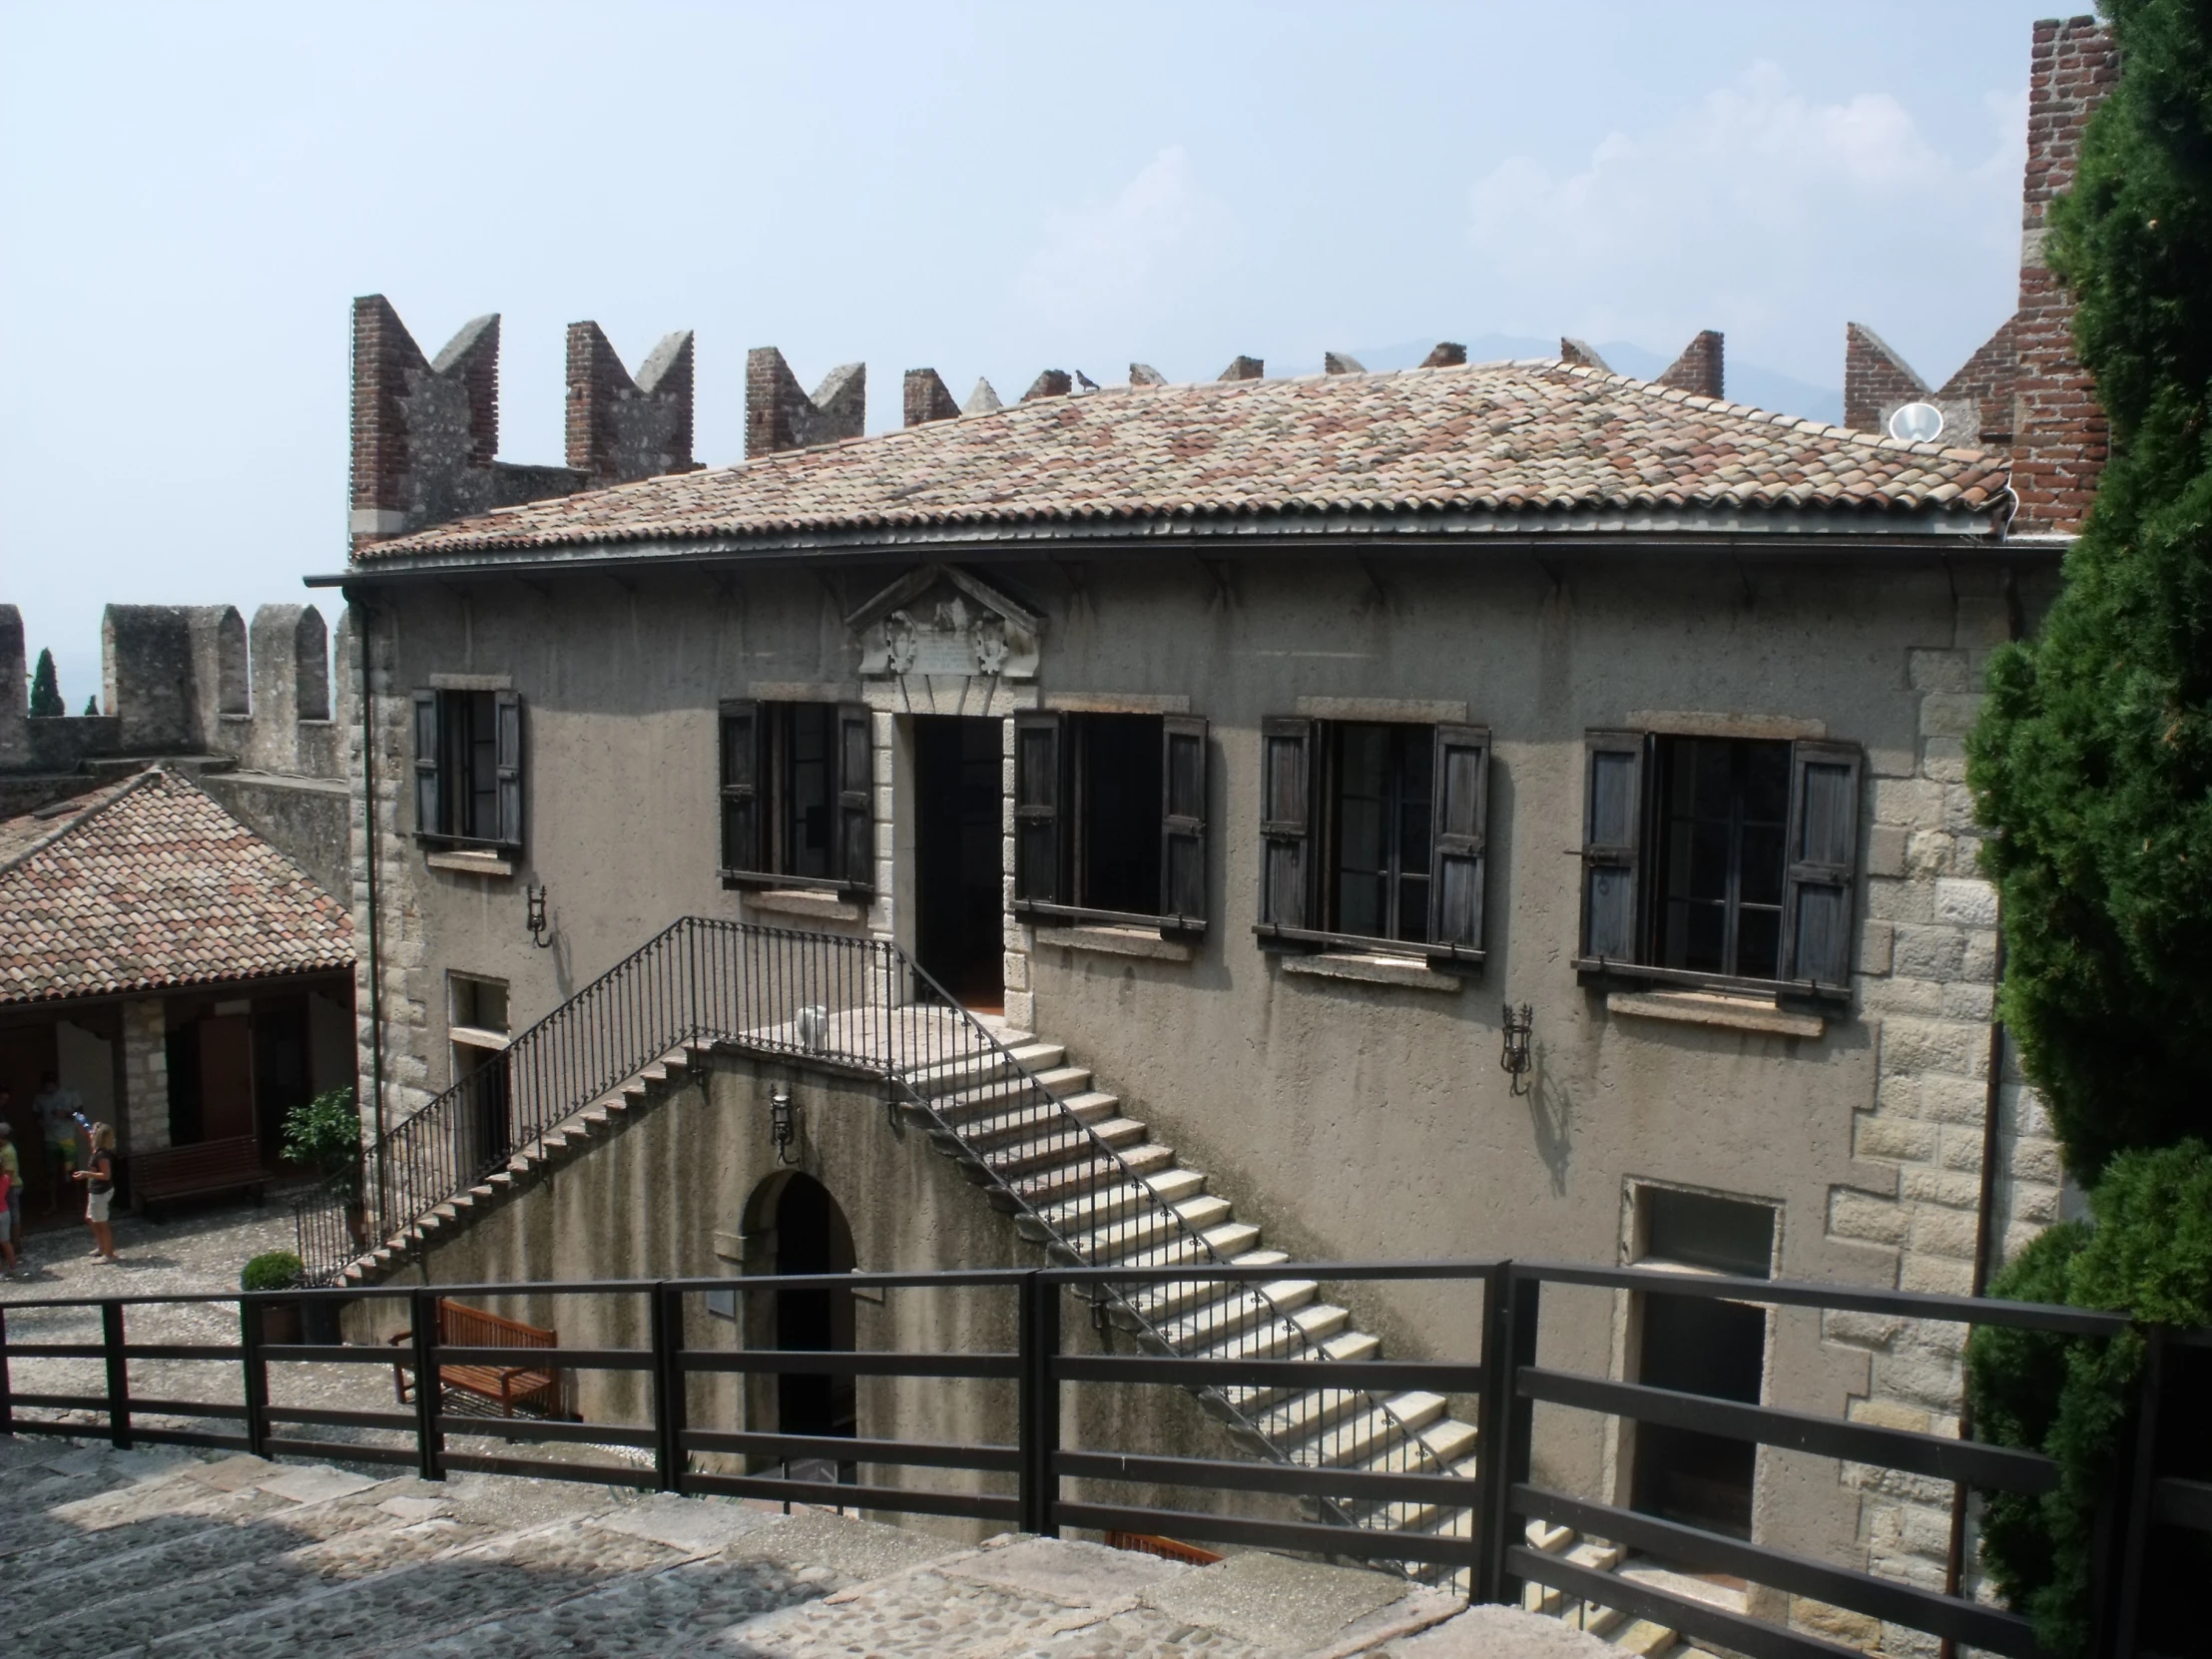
(982, 1066)
(1214, 1244)
(1160, 1303)
(1170, 1186)
(1366, 1435)
(982, 1101)
(1346, 1344)
(1041, 1114)
(1061, 1146)
(1303, 1332)
(1151, 1227)
(1243, 1306)
(1058, 1184)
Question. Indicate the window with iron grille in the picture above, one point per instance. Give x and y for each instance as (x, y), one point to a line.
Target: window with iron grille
(797, 793)
(1720, 861)
(1110, 818)
(468, 768)
(1373, 834)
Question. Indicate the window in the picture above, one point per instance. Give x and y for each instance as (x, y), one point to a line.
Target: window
(797, 792)
(1110, 818)
(468, 767)
(1373, 833)
(476, 1005)
(1720, 861)
(1700, 1345)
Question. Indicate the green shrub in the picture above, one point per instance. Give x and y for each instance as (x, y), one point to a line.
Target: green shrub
(2148, 1255)
(326, 1133)
(272, 1270)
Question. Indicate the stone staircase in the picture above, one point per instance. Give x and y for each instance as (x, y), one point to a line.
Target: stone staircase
(1099, 1197)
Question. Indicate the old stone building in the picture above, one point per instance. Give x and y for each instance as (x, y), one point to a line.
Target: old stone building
(1253, 753)
(175, 944)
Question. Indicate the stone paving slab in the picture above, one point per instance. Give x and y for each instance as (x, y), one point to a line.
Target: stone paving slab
(1274, 1602)
(1500, 1633)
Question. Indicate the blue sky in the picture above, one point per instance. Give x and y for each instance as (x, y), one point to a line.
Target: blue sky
(191, 195)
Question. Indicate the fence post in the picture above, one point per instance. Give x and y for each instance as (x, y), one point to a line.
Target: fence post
(668, 1388)
(7, 1388)
(1038, 1411)
(2125, 1533)
(119, 1374)
(1508, 1343)
(255, 1367)
(429, 1386)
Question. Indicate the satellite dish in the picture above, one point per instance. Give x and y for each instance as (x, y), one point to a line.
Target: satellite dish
(1917, 423)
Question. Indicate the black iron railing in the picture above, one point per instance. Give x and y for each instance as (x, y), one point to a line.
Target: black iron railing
(863, 1006)
(686, 1435)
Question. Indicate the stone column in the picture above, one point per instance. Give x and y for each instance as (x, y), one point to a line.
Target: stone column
(144, 1114)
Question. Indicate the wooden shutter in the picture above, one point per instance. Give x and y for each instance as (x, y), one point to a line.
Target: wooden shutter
(740, 787)
(1037, 795)
(1182, 816)
(1822, 866)
(429, 748)
(855, 859)
(507, 709)
(1286, 822)
(1461, 815)
(1612, 832)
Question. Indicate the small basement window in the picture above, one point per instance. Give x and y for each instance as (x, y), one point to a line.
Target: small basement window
(798, 796)
(1110, 818)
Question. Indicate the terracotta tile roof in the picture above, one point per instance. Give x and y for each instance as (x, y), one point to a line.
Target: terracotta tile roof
(151, 883)
(1498, 441)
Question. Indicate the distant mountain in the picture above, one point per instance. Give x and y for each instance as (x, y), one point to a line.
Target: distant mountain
(1763, 388)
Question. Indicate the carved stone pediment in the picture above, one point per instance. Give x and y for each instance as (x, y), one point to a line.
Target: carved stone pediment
(938, 620)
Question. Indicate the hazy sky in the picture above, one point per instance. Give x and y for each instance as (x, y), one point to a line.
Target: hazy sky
(193, 193)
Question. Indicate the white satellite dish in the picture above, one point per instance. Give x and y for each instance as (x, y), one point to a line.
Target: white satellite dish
(1917, 423)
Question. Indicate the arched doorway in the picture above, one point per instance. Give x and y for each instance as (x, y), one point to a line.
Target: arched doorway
(810, 1235)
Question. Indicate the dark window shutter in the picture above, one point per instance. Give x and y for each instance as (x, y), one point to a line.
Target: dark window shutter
(740, 787)
(1182, 818)
(428, 809)
(1037, 792)
(1822, 862)
(1286, 822)
(1612, 833)
(856, 861)
(509, 766)
(1462, 821)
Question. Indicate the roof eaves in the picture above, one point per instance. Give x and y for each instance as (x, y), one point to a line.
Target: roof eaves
(70, 824)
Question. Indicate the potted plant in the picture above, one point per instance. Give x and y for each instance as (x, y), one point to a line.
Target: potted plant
(325, 1135)
(275, 1270)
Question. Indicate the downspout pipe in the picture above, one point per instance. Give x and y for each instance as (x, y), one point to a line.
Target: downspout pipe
(375, 913)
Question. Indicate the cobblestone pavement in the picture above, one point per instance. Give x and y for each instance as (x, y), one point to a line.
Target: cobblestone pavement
(109, 1555)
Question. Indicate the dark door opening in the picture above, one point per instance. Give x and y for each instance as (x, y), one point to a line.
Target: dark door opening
(959, 857)
(482, 1124)
(812, 1237)
(1697, 1346)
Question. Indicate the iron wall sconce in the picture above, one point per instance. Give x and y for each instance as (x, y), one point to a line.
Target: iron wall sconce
(1516, 1058)
(535, 915)
(783, 1126)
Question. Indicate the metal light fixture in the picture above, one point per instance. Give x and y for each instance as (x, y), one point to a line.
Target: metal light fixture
(782, 1125)
(1516, 1058)
(535, 917)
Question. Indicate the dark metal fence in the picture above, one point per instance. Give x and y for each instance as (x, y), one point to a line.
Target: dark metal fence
(682, 1442)
(862, 1006)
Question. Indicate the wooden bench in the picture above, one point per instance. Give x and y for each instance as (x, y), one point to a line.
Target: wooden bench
(197, 1171)
(533, 1388)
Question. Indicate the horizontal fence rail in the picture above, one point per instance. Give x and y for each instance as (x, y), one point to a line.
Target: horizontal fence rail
(690, 1434)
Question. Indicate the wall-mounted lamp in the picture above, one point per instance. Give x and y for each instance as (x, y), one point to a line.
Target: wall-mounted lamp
(535, 917)
(782, 1125)
(1516, 1059)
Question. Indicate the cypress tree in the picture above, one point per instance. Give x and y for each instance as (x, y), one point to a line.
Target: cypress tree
(2093, 756)
(46, 691)
(92, 707)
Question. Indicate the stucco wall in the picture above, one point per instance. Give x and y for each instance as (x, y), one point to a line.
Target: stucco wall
(1350, 1119)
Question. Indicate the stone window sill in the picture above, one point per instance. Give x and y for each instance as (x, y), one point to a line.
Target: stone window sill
(476, 1036)
(1372, 970)
(1117, 942)
(470, 863)
(1733, 1014)
(803, 901)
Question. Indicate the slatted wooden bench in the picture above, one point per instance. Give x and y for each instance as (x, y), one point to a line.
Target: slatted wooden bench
(197, 1171)
(533, 1388)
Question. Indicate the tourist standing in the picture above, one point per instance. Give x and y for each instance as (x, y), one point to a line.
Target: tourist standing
(57, 1110)
(11, 1192)
(98, 1175)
